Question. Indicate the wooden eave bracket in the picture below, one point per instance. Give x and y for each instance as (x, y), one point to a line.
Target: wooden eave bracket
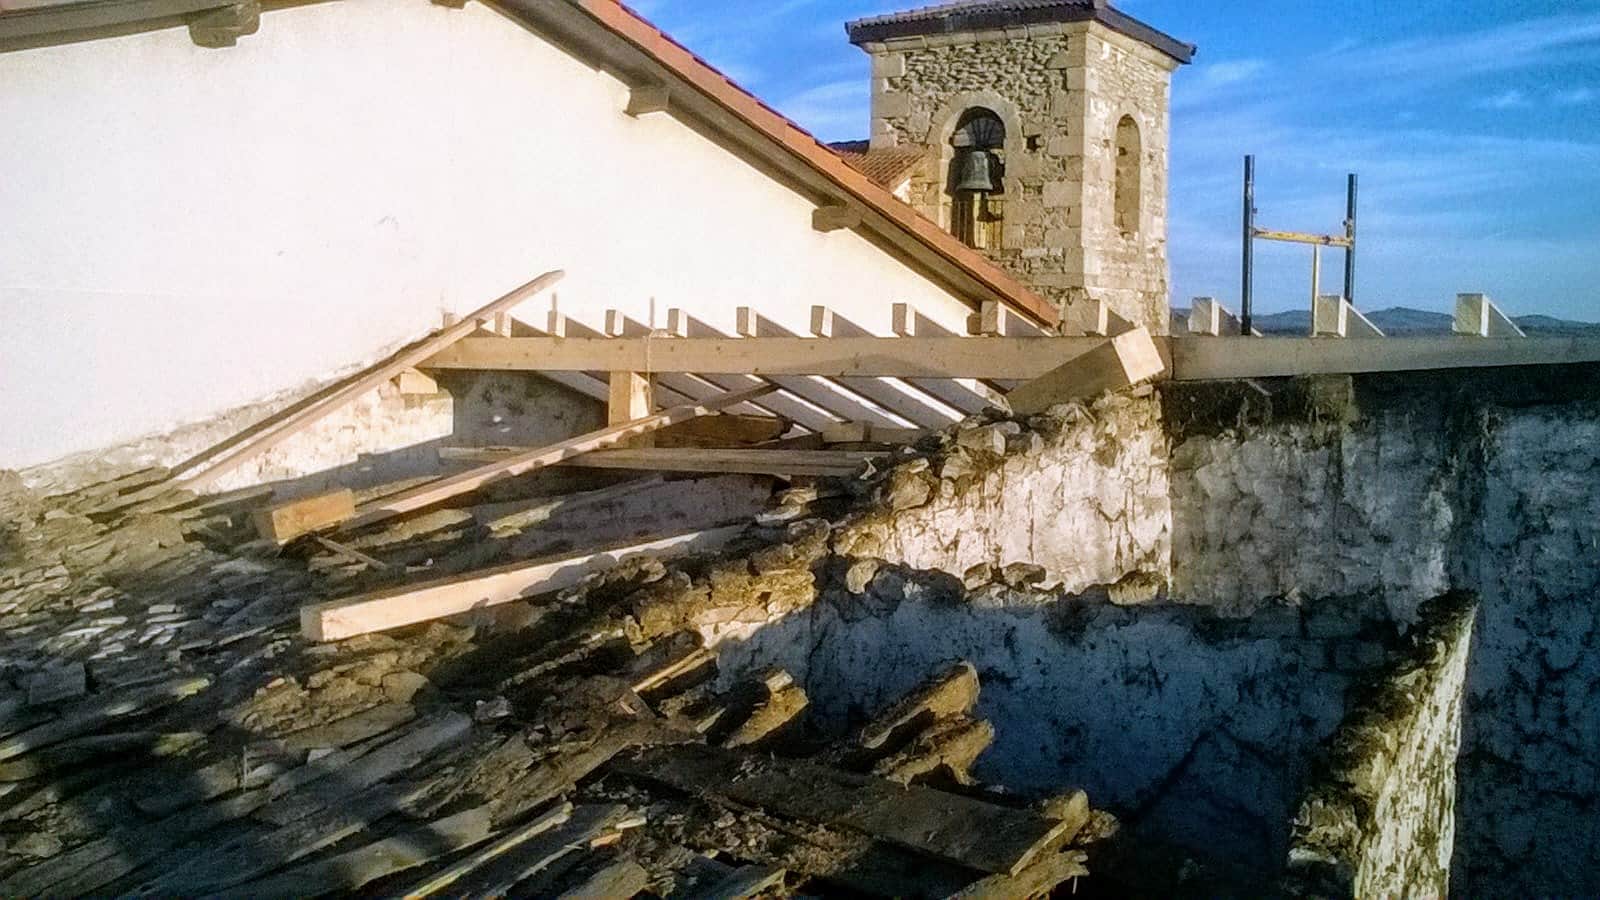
(835, 217)
(223, 27)
(648, 99)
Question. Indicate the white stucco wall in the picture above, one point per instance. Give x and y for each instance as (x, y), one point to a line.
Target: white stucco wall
(183, 230)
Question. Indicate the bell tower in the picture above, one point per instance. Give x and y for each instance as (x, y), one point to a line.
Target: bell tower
(1043, 129)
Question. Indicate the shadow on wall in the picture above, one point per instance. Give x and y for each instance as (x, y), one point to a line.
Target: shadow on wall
(1403, 485)
(485, 409)
(1194, 730)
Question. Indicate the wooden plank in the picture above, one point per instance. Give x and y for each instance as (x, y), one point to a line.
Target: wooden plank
(408, 605)
(1096, 317)
(724, 430)
(1122, 361)
(620, 879)
(282, 524)
(521, 855)
(752, 461)
(923, 357)
(1231, 358)
(276, 429)
(1037, 880)
(93, 713)
(438, 881)
(466, 482)
(946, 826)
(1300, 237)
(835, 218)
(630, 400)
(863, 433)
(995, 319)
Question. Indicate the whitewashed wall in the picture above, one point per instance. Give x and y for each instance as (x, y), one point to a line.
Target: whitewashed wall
(184, 230)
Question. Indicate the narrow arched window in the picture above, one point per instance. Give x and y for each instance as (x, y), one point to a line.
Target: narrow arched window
(1130, 175)
(977, 179)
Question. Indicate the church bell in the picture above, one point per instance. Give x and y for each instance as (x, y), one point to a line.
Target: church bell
(978, 172)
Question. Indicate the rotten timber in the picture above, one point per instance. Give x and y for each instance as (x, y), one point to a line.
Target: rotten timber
(957, 829)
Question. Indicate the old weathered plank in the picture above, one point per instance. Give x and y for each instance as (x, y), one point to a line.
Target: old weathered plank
(947, 826)
(96, 712)
(354, 868)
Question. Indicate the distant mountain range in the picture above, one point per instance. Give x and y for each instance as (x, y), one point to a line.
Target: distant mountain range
(1395, 322)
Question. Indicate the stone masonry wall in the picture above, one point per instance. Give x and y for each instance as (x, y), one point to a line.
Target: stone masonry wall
(1403, 486)
(1194, 728)
(1080, 493)
(1378, 818)
(1060, 90)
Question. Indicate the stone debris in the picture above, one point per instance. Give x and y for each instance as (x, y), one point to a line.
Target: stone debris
(163, 731)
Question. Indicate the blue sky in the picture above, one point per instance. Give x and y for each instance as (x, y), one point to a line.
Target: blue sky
(1475, 126)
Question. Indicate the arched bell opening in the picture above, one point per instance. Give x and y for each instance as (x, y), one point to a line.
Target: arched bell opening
(976, 179)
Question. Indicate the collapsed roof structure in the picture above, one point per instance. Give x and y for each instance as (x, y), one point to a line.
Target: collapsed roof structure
(953, 591)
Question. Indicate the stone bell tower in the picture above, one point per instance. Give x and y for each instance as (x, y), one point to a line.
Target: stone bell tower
(1044, 132)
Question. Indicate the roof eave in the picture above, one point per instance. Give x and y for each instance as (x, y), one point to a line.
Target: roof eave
(712, 102)
(871, 31)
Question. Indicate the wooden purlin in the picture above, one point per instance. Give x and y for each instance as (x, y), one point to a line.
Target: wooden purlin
(274, 430)
(455, 485)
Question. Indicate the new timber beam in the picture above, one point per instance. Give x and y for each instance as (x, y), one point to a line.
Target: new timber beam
(931, 357)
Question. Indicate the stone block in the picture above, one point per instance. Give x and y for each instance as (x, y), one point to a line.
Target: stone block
(889, 65)
(892, 104)
(1059, 193)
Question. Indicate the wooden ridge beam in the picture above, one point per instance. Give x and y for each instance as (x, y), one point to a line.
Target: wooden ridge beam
(433, 492)
(398, 607)
(923, 357)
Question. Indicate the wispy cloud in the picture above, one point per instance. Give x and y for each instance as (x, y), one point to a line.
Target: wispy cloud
(1511, 99)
